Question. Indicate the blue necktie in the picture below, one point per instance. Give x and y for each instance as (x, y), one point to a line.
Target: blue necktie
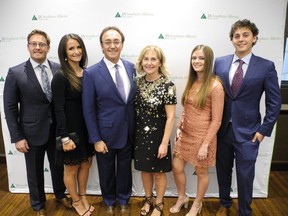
(238, 78)
(45, 83)
(120, 83)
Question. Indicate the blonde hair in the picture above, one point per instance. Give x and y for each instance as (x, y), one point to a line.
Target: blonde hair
(207, 79)
(160, 55)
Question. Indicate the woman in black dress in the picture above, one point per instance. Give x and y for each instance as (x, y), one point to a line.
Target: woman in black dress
(67, 98)
(155, 105)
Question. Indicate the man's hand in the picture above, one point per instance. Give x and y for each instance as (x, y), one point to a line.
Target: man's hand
(100, 147)
(258, 137)
(22, 146)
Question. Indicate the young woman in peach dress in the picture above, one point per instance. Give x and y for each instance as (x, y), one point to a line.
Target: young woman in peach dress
(202, 101)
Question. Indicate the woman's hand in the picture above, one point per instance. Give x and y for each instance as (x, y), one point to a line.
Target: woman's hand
(69, 146)
(203, 152)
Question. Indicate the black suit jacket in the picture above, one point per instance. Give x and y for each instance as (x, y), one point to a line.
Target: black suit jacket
(27, 110)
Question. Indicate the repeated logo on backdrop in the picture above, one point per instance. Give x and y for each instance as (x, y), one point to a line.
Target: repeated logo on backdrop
(170, 39)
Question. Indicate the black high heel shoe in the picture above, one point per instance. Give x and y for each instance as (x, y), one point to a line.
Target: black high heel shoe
(90, 208)
(149, 201)
(86, 213)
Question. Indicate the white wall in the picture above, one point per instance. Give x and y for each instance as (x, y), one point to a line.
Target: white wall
(176, 26)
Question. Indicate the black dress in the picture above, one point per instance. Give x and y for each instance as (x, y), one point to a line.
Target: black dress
(69, 116)
(150, 101)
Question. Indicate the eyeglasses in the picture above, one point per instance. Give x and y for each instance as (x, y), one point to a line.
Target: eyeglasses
(109, 43)
(41, 45)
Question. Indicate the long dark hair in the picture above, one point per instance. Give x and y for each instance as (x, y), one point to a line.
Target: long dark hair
(65, 66)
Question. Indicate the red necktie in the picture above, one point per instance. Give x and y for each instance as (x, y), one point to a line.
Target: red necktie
(238, 78)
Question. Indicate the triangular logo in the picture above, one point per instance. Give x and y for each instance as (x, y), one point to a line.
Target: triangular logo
(12, 186)
(10, 153)
(46, 170)
(34, 18)
(1, 79)
(160, 36)
(118, 15)
(203, 16)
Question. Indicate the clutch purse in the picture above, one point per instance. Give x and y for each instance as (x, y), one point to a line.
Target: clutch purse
(73, 136)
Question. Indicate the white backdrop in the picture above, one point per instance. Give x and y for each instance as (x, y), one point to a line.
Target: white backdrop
(176, 26)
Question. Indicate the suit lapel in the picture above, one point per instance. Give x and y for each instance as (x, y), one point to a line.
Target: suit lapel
(249, 73)
(32, 77)
(227, 64)
(54, 67)
(131, 77)
(103, 70)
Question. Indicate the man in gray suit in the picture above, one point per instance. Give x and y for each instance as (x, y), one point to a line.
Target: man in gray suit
(30, 118)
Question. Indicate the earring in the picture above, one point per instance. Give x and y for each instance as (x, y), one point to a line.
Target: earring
(65, 59)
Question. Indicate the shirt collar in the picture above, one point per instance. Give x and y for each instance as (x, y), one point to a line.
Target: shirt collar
(35, 64)
(245, 59)
(111, 65)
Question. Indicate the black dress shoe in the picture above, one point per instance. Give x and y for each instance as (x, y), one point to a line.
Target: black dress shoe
(65, 202)
(109, 211)
(124, 210)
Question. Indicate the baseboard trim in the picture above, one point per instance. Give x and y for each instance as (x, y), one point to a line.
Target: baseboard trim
(2, 159)
(279, 166)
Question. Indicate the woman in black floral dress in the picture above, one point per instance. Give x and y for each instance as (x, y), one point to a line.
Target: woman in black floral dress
(155, 105)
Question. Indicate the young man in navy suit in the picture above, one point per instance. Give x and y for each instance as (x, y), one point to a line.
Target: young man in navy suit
(31, 122)
(242, 130)
(110, 118)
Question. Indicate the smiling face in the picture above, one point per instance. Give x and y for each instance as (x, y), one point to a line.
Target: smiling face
(38, 48)
(151, 63)
(112, 45)
(73, 51)
(243, 41)
(198, 61)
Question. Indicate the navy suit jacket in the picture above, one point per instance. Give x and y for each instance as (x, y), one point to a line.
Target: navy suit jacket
(27, 110)
(107, 116)
(244, 108)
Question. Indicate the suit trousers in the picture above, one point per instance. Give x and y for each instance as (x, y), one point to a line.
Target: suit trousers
(35, 174)
(245, 155)
(115, 175)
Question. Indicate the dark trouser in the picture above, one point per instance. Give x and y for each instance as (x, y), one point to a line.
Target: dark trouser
(35, 174)
(245, 155)
(115, 175)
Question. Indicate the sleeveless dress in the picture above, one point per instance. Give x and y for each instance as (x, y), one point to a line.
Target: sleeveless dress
(150, 99)
(69, 116)
(200, 126)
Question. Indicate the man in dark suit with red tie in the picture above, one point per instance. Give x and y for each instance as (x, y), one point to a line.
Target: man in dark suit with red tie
(242, 128)
(30, 119)
(109, 113)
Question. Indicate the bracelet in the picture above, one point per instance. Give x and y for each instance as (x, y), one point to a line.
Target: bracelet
(66, 141)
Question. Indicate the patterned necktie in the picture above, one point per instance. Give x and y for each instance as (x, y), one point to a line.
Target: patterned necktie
(45, 82)
(120, 83)
(238, 78)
